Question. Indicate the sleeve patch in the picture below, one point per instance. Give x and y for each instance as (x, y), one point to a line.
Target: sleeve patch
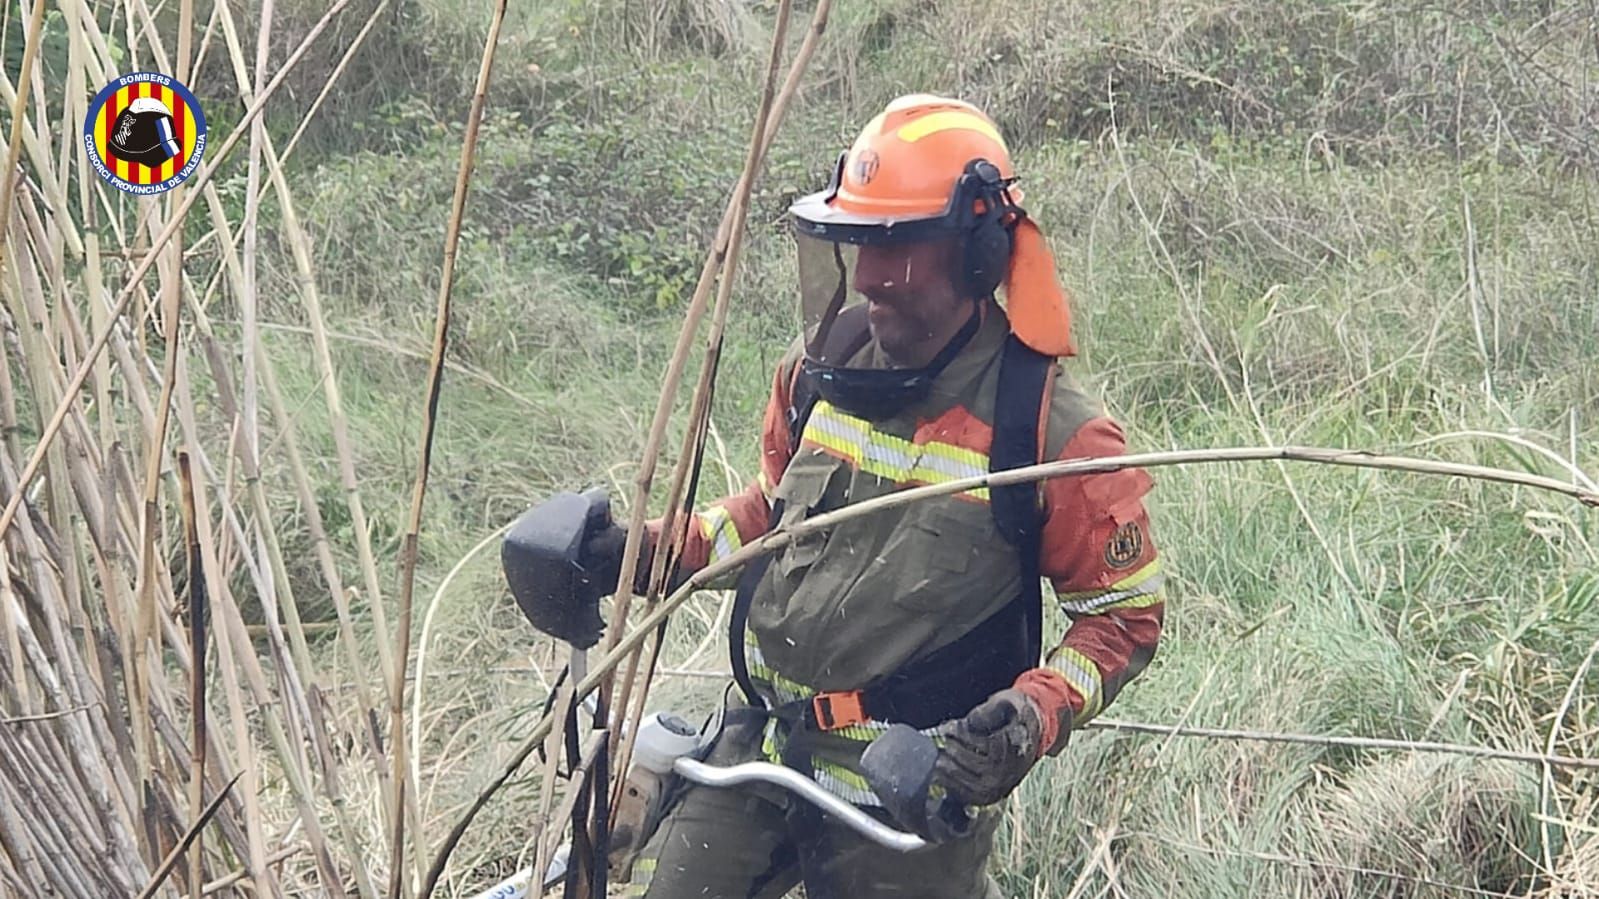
(1125, 546)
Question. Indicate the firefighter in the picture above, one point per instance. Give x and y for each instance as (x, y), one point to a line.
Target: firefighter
(910, 372)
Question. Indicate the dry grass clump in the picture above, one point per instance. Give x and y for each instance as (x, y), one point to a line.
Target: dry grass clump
(1451, 820)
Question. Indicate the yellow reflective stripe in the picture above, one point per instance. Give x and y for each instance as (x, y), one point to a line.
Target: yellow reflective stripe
(1083, 675)
(783, 689)
(1137, 590)
(947, 121)
(769, 748)
(1126, 583)
(1139, 601)
(861, 733)
(716, 523)
(643, 873)
(889, 457)
(844, 783)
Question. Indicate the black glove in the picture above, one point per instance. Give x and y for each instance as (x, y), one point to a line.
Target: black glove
(990, 750)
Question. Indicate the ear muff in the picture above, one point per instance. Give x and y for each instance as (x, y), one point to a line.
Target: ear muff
(986, 255)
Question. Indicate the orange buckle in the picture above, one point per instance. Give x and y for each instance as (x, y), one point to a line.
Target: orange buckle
(837, 710)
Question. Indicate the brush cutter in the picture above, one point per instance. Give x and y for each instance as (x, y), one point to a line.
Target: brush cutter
(558, 579)
(667, 749)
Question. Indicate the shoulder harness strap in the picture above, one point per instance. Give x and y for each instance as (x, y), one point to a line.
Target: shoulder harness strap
(1018, 409)
(802, 396)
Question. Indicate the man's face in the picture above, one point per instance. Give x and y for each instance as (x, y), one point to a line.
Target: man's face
(914, 306)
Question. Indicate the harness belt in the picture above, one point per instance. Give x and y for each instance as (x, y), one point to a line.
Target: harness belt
(942, 685)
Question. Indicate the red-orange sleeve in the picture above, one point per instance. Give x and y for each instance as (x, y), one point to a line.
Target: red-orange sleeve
(1098, 553)
(723, 526)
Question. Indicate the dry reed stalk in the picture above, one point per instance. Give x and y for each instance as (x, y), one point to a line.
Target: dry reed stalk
(249, 299)
(333, 78)
(248, 454)
(408, 546)
(190, 837)
(146, 637)
(1549, 759)
(289, 745)
(76, 748)
(692, 316)
(700, 407)
(229, 663)
(317, 532)
(231, 243)
(311, 296)
(38, 156)
(197, 701)
(548, 837)
(19, 106)
(63, 688)
(107, 507)
(623, 596)
(9, 621)
(135, 278)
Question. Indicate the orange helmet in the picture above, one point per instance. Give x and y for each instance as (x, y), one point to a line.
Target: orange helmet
(928, 168)
(904, 167)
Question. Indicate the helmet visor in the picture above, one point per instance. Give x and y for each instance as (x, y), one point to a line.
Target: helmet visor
(837, 281)
(826, 285)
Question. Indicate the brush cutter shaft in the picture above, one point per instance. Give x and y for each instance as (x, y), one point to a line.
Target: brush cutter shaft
(802, 786)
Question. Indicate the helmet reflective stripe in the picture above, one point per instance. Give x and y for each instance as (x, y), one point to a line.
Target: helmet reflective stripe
(915, 130)
(163, 128)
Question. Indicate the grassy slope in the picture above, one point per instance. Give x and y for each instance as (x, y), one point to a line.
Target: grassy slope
(1275, 243)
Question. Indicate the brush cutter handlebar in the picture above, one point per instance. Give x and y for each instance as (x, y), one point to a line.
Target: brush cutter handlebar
(518, 885)
(805, 788)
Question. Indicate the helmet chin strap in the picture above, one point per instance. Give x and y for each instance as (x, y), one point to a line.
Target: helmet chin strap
(880, 393)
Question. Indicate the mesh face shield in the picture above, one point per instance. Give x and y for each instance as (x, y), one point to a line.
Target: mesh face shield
(835, 315)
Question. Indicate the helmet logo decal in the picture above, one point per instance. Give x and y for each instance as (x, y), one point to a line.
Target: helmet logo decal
(144, 133)
(865, 166)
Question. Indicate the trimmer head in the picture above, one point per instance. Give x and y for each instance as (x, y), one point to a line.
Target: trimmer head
(543, 560)
(899, 768)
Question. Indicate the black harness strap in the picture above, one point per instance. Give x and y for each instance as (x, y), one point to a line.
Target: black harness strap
(1023, 375)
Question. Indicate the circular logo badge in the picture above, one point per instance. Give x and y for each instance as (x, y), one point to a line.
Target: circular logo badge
(1124, 546)
(144, 133)
(866, 166)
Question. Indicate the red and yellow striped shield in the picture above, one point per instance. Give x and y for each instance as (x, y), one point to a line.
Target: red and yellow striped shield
(159, 140)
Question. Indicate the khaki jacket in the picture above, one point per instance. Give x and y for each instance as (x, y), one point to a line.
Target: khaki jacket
(836, 610)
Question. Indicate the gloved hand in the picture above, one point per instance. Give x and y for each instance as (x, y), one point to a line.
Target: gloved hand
(988, 752)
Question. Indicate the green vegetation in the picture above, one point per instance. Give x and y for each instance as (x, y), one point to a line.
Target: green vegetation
(1322, 222)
